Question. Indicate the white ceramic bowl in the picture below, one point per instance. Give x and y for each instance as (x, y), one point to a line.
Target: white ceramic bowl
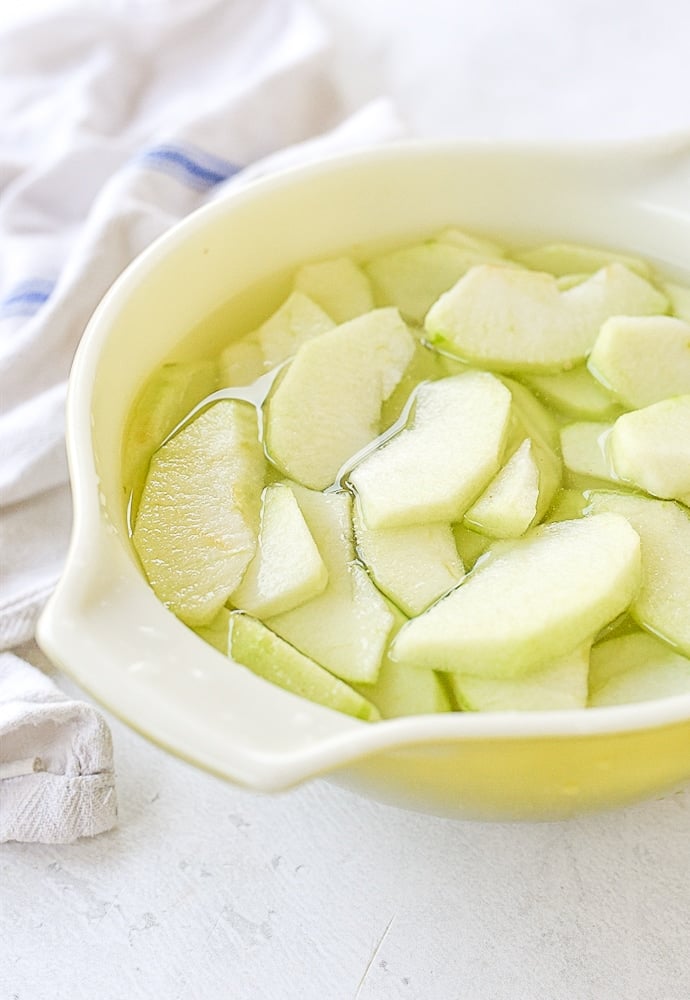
(106, 628)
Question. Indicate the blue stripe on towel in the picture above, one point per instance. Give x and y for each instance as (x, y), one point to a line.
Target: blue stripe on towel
(26, 298)
(190, 166)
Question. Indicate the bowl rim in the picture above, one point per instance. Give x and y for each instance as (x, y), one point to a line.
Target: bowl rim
(354, 739)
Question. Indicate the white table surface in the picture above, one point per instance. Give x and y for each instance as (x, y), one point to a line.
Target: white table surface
(207, 891)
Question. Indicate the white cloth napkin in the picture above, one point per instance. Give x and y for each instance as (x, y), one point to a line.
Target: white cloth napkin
(114, 125)
(56, 761)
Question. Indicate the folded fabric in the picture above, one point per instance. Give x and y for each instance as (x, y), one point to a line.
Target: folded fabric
(114, 124)
(57, 781)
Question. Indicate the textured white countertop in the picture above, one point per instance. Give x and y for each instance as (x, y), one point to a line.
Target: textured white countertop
(207, 891)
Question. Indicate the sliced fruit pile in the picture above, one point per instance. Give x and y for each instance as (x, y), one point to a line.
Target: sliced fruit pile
(467, 488)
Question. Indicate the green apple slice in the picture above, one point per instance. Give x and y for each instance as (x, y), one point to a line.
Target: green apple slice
(635, 668)
(650, 448)
(679, 297)
(217, 631)
(508, 505)
(559, 685)
(643, 360)
(426, 366)
(562, 259)
(434, 469)
(346, 627)
(166, 399)
(198, 520)
(575, 393)
(339, 286)
(477, 246)
(296, 321)
(516, 320)
(413, 278)
(242, 362)
(584, 449)
(494, 317)
(530, 418)
(327, 405)
(256, 647)
(530, 602)
(662, 604)
(413, 565)
(523, 489)
(287, 569)
(401, 690)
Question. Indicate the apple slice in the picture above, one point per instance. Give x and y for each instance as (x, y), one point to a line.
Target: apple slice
(477, 246)
(530, 602)
(508, 505)
(255, 646)
(293, 324)
(643, 359)
(575, 393)
(434, 469)
(584, 448)
(241, 362)
(426, 365)
(516, 320)
(339, 286)
(635, 668)
(327, 405)
(562, 259)
(297, 321)
(522, 491)
(413, 565)
(558, 686)
(662, 604)
(346, 627)
(413, 277)
(650, 448)
(530, 418)
(287, 569)
(198, 520)
(217, 631)
(166, 399)
(401, 690)
(679, 297)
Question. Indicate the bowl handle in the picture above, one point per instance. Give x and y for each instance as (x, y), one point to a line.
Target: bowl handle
(164, 681)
